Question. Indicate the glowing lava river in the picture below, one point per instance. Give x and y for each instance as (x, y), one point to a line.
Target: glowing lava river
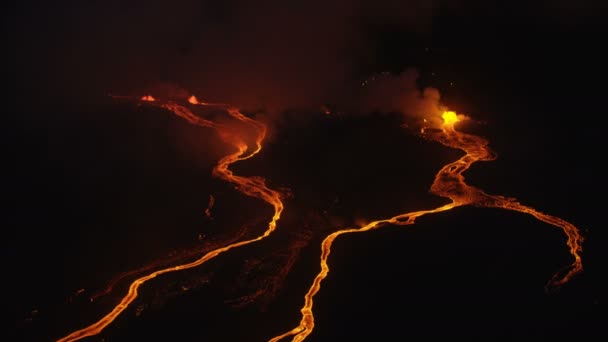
(449, 183)
(251, 186)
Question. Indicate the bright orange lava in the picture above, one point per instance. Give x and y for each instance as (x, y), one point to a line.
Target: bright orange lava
(449, 182)
(251, 186)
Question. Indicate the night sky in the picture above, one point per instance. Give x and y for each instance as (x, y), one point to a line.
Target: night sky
(97, 186)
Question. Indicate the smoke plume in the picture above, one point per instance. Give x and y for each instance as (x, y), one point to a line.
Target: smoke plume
(266, 56)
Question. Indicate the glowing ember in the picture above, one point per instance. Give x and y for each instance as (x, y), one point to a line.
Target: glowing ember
(209, 206)
(148, 98)
(192, 99)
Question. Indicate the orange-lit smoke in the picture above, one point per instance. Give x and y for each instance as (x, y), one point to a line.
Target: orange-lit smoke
(395, 93)
(268, 56)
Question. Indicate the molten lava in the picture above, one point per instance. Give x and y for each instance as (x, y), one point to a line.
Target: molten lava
(449, 183)
(251, 186)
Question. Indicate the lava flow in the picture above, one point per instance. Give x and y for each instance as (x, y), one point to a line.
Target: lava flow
(449, 182)
(251, 186)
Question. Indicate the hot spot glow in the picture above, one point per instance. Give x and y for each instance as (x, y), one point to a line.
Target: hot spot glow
(192, 99)
(449, 117)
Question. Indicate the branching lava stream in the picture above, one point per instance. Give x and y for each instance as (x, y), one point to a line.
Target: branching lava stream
(449, 182)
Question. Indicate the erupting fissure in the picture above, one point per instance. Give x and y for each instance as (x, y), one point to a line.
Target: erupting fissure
(251, 186)
(449, 183)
